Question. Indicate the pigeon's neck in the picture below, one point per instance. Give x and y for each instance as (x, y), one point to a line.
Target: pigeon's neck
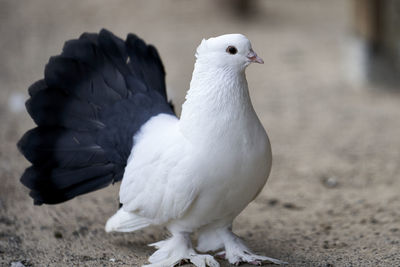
(218, 99)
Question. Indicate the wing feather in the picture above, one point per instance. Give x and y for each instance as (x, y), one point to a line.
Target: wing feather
(155, 184)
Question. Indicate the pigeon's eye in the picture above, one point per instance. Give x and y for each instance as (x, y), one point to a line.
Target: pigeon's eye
(231, 50)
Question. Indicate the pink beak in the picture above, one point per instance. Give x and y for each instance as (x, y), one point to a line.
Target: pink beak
(254, 58)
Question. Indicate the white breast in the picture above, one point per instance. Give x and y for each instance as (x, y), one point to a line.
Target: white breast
(231, 171)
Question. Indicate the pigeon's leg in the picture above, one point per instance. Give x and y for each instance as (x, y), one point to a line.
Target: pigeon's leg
(209, 239)
(237, 252)
(176, 250)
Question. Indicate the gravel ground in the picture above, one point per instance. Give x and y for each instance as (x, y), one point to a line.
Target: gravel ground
(333, 195)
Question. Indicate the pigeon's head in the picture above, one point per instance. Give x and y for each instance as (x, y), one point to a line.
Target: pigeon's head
(229, 50)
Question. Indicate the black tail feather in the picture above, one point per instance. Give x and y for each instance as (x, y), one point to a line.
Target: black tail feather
(58, 147)
(56, 108)
(115, 50)
(59, 178)
(51, 195)
(95, 96)
(150, 69)
(79, 80)
(37, 87)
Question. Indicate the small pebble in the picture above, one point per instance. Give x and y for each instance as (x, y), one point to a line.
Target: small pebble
(330, 182)
(273, 202)
(291, 206)
(112, 260)
(58, 235)
(373, 220)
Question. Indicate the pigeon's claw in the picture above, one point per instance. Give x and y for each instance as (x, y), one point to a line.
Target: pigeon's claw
(238, 258)
(198, 260)
(203, 260)
(178, 250)
(236, 252)
(259, 260)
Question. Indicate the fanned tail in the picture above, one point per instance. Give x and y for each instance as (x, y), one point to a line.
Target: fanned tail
(93, 99)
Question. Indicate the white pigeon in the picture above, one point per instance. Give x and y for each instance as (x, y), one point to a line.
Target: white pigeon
(197, 173)
(102, 116)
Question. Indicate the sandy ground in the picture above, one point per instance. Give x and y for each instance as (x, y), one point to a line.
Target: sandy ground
(333, 195)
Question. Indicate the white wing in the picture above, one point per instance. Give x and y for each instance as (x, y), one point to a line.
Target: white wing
(156, 183)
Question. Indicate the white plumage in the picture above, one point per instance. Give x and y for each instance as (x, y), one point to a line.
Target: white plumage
(199, 172)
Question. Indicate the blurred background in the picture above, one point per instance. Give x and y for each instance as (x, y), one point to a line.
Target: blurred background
(328, 95)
